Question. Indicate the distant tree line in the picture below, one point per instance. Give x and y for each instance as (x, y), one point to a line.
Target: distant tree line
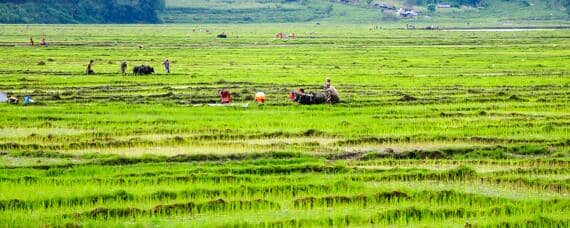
(80, 11)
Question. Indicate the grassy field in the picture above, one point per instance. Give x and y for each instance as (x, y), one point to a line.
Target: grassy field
(435, 128)
(490, 13)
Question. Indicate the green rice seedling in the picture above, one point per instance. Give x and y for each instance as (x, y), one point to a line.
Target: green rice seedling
(471, 130)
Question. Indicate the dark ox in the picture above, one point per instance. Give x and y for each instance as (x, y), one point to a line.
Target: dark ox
(311, 98)
(143, 70)
(329, 97)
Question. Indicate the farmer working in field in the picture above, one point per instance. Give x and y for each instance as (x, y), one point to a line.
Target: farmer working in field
(124, 67)
(327, 84)
(225, 96)
(43, 42)
(31, 41)
(331, 95)
(28, 100)
(166, 64)
(89, 69)
(260, 97)
(13, 100)
(296, 95)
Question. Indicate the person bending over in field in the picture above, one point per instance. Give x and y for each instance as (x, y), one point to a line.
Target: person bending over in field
(13, 100)
(89, 69)
(225, 96)
(296, 95)
(124, 67)
(166, 64)
(260, 97)
(43, 42)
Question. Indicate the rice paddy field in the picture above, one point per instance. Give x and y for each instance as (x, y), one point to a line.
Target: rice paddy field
(434, 128)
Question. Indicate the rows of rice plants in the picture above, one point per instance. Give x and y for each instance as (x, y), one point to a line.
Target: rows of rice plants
(435, 127)
(303, 191)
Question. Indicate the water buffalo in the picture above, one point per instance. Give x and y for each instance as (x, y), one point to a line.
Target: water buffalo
(143, 70)
(311, 98)
(329, 96)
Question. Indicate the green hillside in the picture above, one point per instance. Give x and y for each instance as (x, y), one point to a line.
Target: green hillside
(79, 11)
(269, 11)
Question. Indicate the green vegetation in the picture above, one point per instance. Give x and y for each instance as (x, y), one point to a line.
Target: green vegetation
(465, 13)
(248, 11)
(452, 128)
(80, 11)
(511, 11)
